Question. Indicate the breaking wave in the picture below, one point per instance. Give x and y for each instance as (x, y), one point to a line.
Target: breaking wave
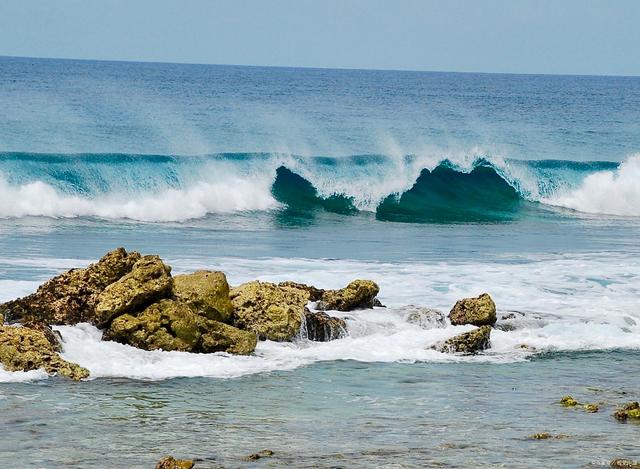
(160, 188)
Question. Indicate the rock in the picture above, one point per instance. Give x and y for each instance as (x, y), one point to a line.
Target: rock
(265, 453)
(170, 325)
(24, 349)
(359, 294)
(547, 436)
(315, 294)
(271, 311)
(169, 462)
(479, 311)
(624, 464)
(629, 410)
(206, 293)
(568, 401)
(149, 281)
(468, 343)
(70, 298)
(321, 327)
(591, 408)
(426, 318)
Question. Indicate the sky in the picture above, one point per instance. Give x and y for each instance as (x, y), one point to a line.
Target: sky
(599, 37)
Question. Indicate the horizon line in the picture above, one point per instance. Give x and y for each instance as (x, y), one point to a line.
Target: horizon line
(298, 67)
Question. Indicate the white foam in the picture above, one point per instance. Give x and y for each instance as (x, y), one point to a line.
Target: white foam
(230, 194)
(606, 192)
(21, 376)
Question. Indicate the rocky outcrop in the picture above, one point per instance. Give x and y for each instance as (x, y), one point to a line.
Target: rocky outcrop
(206, 293)
(467, 343)
(321, 327)
(169, 462)
(630, 410)
(426, 318)
(170, 325)
(359, 294)
(479, 311)
(270, 311)
(315, 294)
(149, 281)
(23, 349)
(70, 298)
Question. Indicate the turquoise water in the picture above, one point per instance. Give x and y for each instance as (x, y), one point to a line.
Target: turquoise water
(437, 186)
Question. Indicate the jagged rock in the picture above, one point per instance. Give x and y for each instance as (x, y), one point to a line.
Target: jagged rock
(271, 311)
(479, 311)
(149, 281)
(170, 325)
(359, 294)
(629, 410)
(468, 343)
(70, 298)
(624, 464)
(265, 453)
(321, 327)
(315, 294)
(206, 293)
(169, 462)
(568, 401)
(426, 318)
(24, 349)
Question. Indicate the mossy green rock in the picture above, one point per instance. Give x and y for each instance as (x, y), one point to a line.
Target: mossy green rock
(468, 343)
(169, 462)
(149, 281)
(630, 410)
(70, 298)
(170, 325)
(359, 294)
(479, 311)
(271, 311)
(206, 293)
(24, 349)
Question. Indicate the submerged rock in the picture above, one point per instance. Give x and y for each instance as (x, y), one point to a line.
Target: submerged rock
(70, 298)
(468, 343)
(359, 294)
(206, 293)
(624, 464)
(149, 281)
(547, 436)
(568, 401)
(426, 318)
(479, 311)
(591, 408)
(25, 349)
(265, 453)
(321, 327)
(169, 325)
(271, 311)
(629, 410)
(169, 462)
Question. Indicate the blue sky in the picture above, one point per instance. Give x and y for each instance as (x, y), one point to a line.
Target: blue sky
(520, 36)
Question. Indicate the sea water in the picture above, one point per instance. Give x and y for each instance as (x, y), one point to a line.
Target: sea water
(437, 186)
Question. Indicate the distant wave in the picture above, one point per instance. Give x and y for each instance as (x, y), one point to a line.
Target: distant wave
(161, 188)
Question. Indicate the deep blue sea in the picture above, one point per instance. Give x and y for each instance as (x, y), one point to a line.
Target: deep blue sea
(437, 186)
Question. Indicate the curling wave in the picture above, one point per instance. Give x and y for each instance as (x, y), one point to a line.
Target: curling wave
(160, 188)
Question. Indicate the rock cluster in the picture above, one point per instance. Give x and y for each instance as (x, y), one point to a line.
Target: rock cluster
(630, 410)
(136, 301)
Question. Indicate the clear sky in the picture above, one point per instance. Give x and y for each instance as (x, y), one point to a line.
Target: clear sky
(522, 36)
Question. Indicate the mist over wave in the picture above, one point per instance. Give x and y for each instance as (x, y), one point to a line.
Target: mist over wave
(414, 188)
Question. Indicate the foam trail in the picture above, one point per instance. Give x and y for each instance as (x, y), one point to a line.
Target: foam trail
(614, 192)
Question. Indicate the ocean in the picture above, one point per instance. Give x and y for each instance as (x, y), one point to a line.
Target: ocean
(436, 185)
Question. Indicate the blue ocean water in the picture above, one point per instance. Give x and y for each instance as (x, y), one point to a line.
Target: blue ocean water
(437, 186)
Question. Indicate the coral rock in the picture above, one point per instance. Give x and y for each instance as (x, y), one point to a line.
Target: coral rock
(169, 462)
(468, 343)
(70, 298)
(479, 311)
(359, 294)
(206, 293)
(271, 311)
